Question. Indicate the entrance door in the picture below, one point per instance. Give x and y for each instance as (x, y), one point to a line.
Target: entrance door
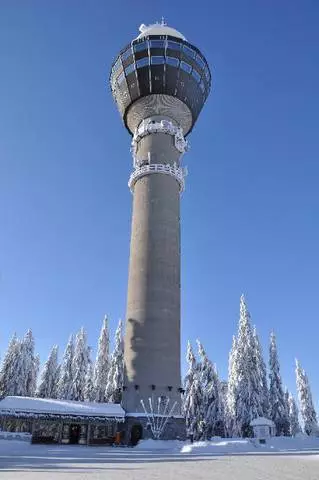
(74, 433)
(136, 434)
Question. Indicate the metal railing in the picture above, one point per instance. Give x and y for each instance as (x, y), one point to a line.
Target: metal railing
(178, 173)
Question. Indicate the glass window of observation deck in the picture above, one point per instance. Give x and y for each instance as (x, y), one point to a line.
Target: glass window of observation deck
(130, 69)
(139, 47)
(120, 78)
(157, 60)
(143, 62)
(186, 67)
(196, 75)
(173, 45)
(189, 52)
(200, 62)
(157, 43)
(126, 54)
(172, 61)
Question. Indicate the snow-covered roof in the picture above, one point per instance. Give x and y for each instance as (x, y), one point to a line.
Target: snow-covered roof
(159, 29)
(14, 405)
(262, 421)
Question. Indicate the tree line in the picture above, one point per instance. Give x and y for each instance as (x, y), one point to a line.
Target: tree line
(226, 408)
(210, 406)
(77, 377)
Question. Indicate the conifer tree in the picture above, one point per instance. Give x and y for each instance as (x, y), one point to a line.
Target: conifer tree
(10, 367)
(79, 365)
(249, 393)
(231, 393)
(212, 408)
(48, 386)
(101, 369)
(294, 425)
(66, 373)
(28, 367)
(307, 410)
(115, 379)
(261, 375)
(192, 404)
(277, 404)
(89, 391)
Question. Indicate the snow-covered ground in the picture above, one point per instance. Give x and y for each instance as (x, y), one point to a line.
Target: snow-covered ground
(282, 459)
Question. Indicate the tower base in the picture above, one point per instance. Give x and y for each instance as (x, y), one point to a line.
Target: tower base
(137, 428)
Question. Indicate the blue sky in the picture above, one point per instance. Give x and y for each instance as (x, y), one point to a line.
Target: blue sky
(250, 210)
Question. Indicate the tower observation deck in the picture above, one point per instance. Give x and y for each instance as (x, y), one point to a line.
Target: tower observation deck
(160, 83)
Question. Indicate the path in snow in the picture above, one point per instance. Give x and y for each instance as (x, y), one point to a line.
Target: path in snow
(22, 461)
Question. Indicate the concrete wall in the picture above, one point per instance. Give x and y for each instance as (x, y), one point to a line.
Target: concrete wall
(152, 338)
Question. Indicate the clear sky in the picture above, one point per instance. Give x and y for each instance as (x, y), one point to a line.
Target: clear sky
(250, 210)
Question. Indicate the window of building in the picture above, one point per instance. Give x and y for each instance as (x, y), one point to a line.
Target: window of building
(202, 86)
(139, 47)
(172, 61)
(120, 78)
(200, 62)
(186, 67)
(130, 69)
(157, 60)
(196, 75)
(126, 54)
(117, 65)
(174, 45)
(157, 43)
(143, 62)
(189, 52)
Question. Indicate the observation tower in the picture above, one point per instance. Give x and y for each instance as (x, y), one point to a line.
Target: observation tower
(160, 83)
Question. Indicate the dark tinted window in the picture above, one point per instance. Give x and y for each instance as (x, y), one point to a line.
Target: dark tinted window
(196, 75)
(189, 51)
(126, 54)
(120, 78)
(173, 45)
(143, 62)
(157, 44)
(200, 62)
(140, 46)
(172, 61)
(130, 69)
(187, 68)
(157, 60)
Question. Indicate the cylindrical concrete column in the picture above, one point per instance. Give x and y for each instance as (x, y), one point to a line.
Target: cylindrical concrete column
(152, 338)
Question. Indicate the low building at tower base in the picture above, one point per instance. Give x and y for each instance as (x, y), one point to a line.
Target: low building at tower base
(62, 421)
(85, 423)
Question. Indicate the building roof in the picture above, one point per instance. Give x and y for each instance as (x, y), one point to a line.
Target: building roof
(159, 29)
(48, 406)
(262, 421)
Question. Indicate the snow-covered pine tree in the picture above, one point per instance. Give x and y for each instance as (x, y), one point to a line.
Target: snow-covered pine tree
(115, 379)
(79, 365)
(231, 393)
(66, 372)
(101, 369)
(261, 375)
(193, 397)
(249, 393)
(89, 391)
(9, 372)
(307, 410)
(294, 425)
(29, 365)
(48, 386)
(277, 405)
(212, 408)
